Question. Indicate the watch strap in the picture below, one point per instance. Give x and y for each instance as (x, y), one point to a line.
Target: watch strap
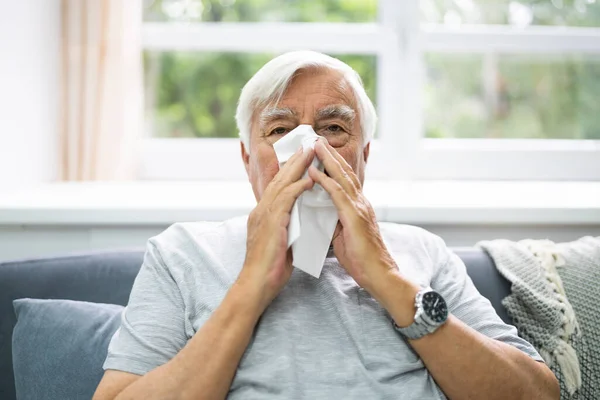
(420, 326)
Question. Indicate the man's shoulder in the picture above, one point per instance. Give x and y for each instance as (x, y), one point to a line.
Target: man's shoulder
(421, 246)
(189, 237)
(409, 234)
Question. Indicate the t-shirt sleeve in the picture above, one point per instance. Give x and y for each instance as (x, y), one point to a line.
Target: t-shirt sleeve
(152, 327)
(467, 304)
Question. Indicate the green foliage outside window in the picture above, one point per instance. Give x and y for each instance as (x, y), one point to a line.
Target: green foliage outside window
(464, 95)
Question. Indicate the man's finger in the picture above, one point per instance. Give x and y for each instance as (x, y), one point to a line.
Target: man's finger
(286, 197)
(340, 197)
(344, 164)
(334, 168)
(290, 172)
(296, 166)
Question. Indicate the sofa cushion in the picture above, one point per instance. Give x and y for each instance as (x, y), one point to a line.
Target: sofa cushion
(59, 347)
(98, 277)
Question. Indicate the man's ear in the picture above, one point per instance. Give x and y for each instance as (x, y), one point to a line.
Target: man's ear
(245, 157)
(366, 151)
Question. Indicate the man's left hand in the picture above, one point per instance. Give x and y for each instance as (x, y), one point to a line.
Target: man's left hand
(357, 242)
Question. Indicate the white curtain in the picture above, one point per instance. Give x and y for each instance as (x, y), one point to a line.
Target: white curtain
(101, 103)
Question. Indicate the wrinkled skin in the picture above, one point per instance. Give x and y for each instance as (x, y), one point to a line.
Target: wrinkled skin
(308, 92)
(357, 241)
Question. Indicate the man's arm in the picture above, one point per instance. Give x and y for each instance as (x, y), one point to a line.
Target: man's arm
(206, 365)
(465, 363)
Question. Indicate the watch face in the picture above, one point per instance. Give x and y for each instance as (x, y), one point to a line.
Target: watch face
(435, 307)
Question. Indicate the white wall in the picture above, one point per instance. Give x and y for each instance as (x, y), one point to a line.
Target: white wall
(29, 90)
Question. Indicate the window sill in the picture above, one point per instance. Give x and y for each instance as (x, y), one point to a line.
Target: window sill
(418, 203)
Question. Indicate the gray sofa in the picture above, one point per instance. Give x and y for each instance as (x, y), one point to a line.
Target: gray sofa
(107, 277)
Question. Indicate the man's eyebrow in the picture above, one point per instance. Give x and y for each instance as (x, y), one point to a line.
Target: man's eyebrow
(336, 111)
(274, 113)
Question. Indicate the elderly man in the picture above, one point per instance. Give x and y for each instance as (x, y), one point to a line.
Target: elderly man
(218, 310)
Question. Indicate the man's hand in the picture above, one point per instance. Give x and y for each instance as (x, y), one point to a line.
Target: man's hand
(268, 264)
(357, 242)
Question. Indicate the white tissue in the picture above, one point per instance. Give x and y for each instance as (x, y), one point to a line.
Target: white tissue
(313, 217)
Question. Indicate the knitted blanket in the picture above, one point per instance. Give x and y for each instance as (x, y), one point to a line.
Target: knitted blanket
(555, 305)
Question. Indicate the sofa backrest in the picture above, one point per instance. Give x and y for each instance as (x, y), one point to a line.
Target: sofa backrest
(107, 277)
(485, 276)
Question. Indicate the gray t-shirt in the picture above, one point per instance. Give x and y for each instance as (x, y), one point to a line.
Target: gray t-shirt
(323, 338)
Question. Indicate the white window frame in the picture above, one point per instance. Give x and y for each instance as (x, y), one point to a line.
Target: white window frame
(400, 151)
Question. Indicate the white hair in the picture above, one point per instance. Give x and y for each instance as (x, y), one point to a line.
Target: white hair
(271, 81)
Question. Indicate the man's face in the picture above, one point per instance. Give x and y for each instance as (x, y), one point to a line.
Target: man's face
(319, 98)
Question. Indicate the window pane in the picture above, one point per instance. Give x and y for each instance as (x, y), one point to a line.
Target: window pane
(195, 94)
(512, 96)
(261, 10)
(519, 13)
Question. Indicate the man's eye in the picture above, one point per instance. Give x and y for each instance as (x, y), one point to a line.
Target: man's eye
(334, 128)
(278, 131)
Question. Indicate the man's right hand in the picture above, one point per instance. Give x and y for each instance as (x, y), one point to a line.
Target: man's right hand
(268, 264)
(206, 365)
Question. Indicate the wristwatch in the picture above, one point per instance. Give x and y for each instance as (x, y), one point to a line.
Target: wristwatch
(432, 312)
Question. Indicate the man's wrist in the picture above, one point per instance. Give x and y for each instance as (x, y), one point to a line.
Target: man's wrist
(397, 295)
(250, 295)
